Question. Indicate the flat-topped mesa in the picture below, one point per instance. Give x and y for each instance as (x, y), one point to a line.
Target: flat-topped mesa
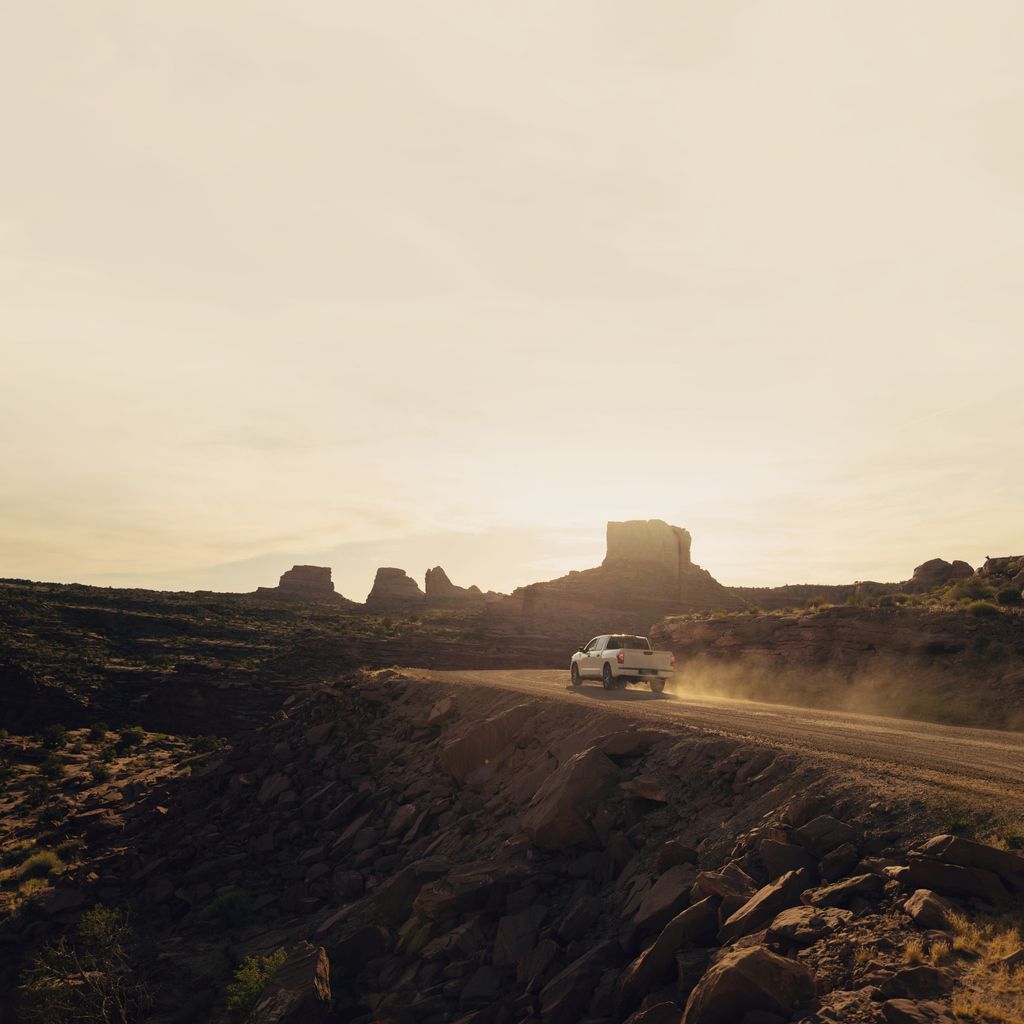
(394, 591)
(647, 573)
(304, 583)
(648, 542)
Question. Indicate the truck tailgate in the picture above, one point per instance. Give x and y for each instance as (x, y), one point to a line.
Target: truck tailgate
(648, 661)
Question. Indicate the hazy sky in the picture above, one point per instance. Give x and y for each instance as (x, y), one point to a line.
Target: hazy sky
(404, 283)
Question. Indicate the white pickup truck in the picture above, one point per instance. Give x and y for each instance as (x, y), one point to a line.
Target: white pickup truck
(618, 658)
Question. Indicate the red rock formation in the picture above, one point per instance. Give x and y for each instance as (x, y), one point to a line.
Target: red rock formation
(441, 592)
(305, 583)
(394, 591)
(647, 573)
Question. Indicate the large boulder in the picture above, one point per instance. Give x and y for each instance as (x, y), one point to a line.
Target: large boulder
(823, 834)
(565, 997)
(470, 754)
(658, 960)
(969, 854)
(299, 991)
(956, 880)
(666, 898)
(906, 1011)
(559, 814)
(745, 980)
(764, 905)
(928, 909)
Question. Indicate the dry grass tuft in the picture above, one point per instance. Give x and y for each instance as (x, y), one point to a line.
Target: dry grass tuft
(913, 952)
(989, 993)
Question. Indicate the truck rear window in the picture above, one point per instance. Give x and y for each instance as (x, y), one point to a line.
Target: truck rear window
(629, 643)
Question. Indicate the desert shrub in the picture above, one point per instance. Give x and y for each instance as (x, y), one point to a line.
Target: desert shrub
(77, 747)
(250, 980)
(98, 731)
(52, 769)
(53, 812)
(37, 790)
(41, 865)
(133, 736)
(107, 753)
(94, 978)
(982, 608)
(229, 908)
(887, 601)
(204, 744)
(4, 734)
(100, 772)
(55, 737)
(971, 589)
(1009, 595)
(70, 848)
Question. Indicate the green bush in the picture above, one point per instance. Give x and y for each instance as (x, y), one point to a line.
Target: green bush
(41, 865)
(250, 980)
(100, 772)
(971, 589)
(982, 608)
(53, 812)
(55, 737)
(37, 790)
(133, 736)
(4, 734)
(1009, 595)
(229, 908)
(94, 979)
(52, 769)
(204, 744)
(70, 848)
(98, 731)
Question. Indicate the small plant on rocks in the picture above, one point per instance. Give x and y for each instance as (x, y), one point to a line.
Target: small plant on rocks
(250, 980)
(133, 736)
(98, 731)
(100, 772)
(52, 769)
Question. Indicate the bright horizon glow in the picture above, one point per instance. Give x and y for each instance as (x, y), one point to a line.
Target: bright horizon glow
(400, 284)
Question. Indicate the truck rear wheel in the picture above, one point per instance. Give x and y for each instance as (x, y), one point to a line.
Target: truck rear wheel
(574, 675)
(657, 684)
(607, 678)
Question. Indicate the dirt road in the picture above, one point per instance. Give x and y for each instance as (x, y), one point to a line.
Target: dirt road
(969, 762)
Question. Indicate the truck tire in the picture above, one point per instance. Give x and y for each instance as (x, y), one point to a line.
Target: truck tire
(574, 675)
(607, 678)
(657, 684)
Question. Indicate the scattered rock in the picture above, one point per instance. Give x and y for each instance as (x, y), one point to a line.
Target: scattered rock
(841, 894)
(778, 858)
(905, 1011)
(804, 925)
(967, 853)
(823, 834)
(928, 909)
(480, 742)
(917, 982)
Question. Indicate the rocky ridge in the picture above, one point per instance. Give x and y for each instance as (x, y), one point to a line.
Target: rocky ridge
(428, 855)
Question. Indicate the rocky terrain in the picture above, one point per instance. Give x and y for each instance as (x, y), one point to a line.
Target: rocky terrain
(385, 849)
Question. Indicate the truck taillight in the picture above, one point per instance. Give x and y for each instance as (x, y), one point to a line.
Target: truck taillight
(620, 657)
(672, 663)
